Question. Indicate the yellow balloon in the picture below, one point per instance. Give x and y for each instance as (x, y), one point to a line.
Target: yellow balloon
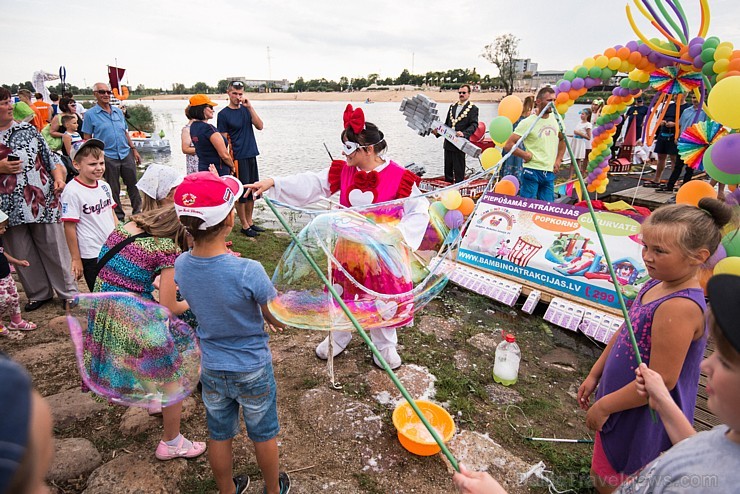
(625, 66)
(602, 61)
(722, 53)
(721, 66)
(451, 199)
(614, 63)
(488, 159)
(728, 265)
(724, 102)
(511, 107)
(644, 77)
(589, 62)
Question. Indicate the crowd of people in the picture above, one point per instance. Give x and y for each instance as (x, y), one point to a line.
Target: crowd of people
(175, 241)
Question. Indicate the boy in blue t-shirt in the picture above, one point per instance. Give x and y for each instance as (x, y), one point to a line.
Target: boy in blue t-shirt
(229, 297)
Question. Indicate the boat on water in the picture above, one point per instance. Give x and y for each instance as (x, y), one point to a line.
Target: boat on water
(150, 143)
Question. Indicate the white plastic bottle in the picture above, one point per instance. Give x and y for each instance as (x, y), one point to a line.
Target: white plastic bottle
(506, 366)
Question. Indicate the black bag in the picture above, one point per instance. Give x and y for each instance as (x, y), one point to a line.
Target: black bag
(116, 249)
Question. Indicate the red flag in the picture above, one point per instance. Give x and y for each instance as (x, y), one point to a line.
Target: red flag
(631, 136)
(115, 74)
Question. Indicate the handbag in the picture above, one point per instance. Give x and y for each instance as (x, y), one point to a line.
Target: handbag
(116, 249)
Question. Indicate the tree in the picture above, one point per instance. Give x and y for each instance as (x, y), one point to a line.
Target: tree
(299, 85)
(178, 88)
(404, 78)
(372, 78)
(201, 88)
(502, 53)
(223, 86)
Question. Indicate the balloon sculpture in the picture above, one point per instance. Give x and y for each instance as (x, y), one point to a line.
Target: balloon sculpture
(674, 67)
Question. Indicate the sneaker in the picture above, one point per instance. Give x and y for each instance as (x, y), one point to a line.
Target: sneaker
(249, 232)
(183, 449)
(391, 356)
(258, 229)
(242, 483)
(341, 340)
(284, 480)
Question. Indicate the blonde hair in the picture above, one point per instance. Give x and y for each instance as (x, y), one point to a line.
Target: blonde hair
(162, 223)
(691, 228)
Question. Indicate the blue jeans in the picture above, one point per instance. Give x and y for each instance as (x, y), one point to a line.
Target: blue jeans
(256, 392)
(537, 184)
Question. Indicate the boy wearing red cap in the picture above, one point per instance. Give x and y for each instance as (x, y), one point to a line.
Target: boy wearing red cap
(229, 296)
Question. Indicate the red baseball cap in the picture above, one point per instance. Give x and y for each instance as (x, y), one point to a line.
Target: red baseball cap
(208, 197)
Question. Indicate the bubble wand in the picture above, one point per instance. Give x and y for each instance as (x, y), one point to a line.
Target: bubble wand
(607, 257)
(363, 334)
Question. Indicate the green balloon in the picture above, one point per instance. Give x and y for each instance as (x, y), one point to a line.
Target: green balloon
(594, 72)
(708, 69)
(607, 74)
(711, 42)
(569, 76)
(438, 209)
(624, 82)
(582, 72)
(716, 173)
(642, 85)
(500, 129)
(707, 55)
(731, 243)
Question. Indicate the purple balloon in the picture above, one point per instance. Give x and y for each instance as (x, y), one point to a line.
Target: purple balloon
(694, 50)
(590, 82)
(577, 83)
(653, 57)
(696, 41)
(632, 45)
(564, 86)
(617, 47)
(512, 179)
(726, 154)
(644, 49)
(718, 255)
(618, 120)
(698, 62)
(454, 219)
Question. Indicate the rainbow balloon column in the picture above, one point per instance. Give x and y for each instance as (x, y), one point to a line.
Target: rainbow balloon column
(674, 67)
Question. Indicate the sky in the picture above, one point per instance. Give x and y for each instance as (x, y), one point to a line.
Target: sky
(161, 42)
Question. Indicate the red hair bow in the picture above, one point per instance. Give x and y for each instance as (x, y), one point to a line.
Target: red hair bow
(354, 118)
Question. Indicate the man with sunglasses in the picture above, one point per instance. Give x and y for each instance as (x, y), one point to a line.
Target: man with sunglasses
(107, 123)
(463, 118)
(237, 120)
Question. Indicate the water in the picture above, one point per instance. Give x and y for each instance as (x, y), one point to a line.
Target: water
(295, 131)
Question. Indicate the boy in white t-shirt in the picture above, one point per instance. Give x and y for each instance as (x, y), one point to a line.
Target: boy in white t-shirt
(87, 209)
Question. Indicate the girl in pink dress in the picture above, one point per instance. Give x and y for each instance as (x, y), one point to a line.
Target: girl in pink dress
(365, 178)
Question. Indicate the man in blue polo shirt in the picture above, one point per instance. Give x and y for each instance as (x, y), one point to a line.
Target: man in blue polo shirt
(237, 121)
(107, 123)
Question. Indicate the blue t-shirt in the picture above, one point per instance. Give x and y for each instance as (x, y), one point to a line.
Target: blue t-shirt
(238, 124)
(225, 292)
(200, 134)
(111, 128)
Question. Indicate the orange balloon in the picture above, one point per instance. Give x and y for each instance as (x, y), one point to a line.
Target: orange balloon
(642, 64)
(735, 54)
(704, 274)
(692, 192)
(732, 187)
(504, 187)
(610, 52)
(623, 53)
(561, 98)
(729, 73)
(734, 65)
(466, 206)
(634, 57)
(573, 94)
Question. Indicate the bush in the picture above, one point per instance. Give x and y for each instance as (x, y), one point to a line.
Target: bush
(140, 117)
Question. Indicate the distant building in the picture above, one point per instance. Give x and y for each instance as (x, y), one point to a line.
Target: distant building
(391, 87)
(523, 66)
(263, 84)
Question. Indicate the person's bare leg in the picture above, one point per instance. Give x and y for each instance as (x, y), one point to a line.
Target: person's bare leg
(601, 486)
(220, 456)
(171, 421)
(240, 211)
(248, 210)
(660, 168)
(267, 459)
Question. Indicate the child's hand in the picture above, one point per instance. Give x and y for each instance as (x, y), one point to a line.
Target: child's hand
(22, 262)
(651, 386)
(596, 417)
(212, 169)
(77, 268)
(469, 482)
(585, 391)
(275, 328)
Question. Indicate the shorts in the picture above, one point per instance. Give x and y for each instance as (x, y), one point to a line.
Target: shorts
(248, 174)
(601, 466)
(256, 392)
(666, 146)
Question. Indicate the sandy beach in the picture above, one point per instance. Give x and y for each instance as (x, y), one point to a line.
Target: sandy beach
(374, 96)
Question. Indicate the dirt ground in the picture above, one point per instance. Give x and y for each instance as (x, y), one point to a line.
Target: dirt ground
(343, 440)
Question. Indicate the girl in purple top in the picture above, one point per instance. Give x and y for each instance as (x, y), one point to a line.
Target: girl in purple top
(668, 321)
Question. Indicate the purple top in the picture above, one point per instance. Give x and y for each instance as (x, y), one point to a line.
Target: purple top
(630, 438)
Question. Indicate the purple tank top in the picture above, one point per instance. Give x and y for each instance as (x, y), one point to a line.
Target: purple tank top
(630, 438)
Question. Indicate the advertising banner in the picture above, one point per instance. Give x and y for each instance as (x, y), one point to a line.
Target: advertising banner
(555, 248)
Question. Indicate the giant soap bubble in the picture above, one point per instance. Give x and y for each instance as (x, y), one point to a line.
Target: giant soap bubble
(132, 351)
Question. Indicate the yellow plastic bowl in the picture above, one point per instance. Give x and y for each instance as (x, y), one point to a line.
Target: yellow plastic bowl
(411, 431)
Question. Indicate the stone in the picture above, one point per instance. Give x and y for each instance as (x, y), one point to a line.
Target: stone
(479, 452)
(337, 418)
(417, 380)
(45, 353)
(73, 457)
(502, 395)
(484, 342)
(59, 325)
(73, 405)
(137, 473)
(136, 420)
(562, 359)
(462, 361)
(441, 328)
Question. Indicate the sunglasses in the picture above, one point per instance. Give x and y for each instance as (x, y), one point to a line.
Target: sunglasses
(237, 84)
(462, 92)
(104, 91)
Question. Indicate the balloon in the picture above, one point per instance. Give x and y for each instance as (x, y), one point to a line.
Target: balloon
(512, 179)
(728, 265)
(511, 107)
(454, 219)
(489, 158)
(704, 274)
(692, 192)
(466, 206)
(718, 255)
(713, 171)
(438, 209)
(731, 242)
(726, 154)
(451, 199)
(724, 102)
(505, 187)
(500, 129)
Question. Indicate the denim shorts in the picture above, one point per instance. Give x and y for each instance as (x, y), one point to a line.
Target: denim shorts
(256, 392)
